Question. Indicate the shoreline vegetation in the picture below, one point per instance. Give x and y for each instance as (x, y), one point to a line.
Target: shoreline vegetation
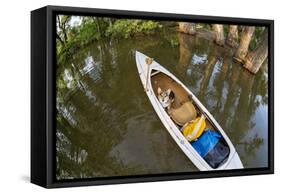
(248, 43)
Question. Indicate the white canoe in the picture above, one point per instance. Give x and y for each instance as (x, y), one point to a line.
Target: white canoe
(146, 73)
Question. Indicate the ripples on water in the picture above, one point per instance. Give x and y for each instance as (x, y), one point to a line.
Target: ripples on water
(106, 125)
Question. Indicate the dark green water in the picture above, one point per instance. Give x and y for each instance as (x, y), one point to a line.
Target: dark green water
(106, 125)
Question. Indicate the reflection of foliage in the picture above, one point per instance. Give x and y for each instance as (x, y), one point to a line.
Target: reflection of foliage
(251, 145)
(73, 37)
(172, 39)
(90, 29)
(262, 85)
(229, 92)
(77, 127)
(84, 138)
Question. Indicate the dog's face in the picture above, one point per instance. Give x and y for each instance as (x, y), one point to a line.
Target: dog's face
(165, 97)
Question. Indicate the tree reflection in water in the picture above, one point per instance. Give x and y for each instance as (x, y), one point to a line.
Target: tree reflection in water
(106, 126)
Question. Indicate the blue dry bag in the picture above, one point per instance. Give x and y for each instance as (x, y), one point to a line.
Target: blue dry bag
(206, 142)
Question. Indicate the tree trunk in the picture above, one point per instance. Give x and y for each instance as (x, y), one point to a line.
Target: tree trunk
(185, 53)
(64, 31)
(209, 68)
(245, 40)
(232, 36)
(219, 35)
(243, 106)
(188, 28)
(62, 21)
(61, 41)
(65, 35)
(255, 59)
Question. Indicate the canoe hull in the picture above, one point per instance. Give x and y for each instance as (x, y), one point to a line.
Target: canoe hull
(144, 70)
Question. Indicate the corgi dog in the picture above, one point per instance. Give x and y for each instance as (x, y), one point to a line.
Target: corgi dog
(166, 98)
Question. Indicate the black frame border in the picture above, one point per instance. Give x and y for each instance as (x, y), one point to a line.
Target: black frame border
(50, 70)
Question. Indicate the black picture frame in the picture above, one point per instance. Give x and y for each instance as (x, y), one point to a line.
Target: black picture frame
(43, 91)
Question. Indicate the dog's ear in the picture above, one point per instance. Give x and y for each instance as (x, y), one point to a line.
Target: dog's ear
(172, 96)
(169, 91)
(159, 90)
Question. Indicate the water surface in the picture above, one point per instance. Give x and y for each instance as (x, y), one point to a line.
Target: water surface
(106, 125)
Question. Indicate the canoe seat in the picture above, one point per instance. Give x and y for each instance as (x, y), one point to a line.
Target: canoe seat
(185, 113)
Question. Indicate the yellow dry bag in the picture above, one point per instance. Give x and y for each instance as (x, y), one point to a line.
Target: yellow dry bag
(194, 129)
